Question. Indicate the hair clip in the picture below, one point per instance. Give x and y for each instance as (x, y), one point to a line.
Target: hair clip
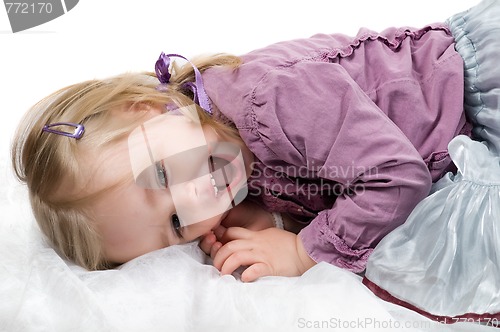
(77, 133)
(200, 96)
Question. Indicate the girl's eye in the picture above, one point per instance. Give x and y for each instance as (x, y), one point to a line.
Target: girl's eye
(161, 174)
(176, 225)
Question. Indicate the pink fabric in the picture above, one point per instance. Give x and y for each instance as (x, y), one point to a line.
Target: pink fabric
(342, 126)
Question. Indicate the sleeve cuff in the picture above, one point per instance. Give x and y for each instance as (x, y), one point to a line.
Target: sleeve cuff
(322, 245)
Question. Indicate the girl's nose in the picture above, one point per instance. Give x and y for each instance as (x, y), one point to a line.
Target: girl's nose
(195, 200)
(185, 194)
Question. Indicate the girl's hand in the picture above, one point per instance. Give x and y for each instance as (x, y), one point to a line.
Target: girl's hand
(268, 252)
(209, 243)
(246, 214)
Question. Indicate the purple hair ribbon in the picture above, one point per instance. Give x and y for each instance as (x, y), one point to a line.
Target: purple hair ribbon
(200, 96)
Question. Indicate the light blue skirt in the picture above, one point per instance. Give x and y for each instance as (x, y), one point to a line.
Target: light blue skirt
(444, 262)
(477, 35)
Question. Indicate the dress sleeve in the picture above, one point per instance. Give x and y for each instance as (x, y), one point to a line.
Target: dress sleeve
(314, 115)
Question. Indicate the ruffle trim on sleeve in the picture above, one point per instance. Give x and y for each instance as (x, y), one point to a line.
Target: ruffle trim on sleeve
(323, 245)
(393, 43)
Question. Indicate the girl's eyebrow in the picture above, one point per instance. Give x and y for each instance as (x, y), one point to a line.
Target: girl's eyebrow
(147, 144)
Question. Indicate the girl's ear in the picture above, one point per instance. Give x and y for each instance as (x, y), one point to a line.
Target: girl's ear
(141, 107)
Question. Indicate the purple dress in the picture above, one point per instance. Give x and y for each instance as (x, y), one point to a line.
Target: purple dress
(348, 133)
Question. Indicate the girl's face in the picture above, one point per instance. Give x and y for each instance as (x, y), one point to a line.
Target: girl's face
(183, 179)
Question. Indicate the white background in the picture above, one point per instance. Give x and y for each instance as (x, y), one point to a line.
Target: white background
(99, 38)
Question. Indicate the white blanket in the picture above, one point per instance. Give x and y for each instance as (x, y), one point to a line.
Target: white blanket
(176, 289)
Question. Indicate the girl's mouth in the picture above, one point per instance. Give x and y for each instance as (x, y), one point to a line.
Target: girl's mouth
(224, 174)
(218, 173)
(214, 184)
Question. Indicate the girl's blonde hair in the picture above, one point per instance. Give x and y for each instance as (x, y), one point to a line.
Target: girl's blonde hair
(50, 163)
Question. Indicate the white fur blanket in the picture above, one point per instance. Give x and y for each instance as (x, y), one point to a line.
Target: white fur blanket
(175, 289)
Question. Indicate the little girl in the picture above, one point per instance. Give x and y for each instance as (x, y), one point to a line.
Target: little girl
(339, 139)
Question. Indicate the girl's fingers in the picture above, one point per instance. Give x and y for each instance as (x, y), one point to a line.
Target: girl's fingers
(256, 271)
(207, 242)
(234, 233)
(219, 231)
(229, 249)
(240, 258)
(215, 248)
